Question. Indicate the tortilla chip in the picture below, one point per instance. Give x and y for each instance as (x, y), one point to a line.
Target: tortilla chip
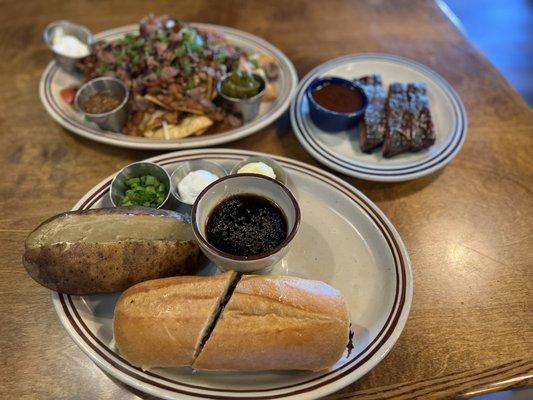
(179, 107)
(200, 132)
(211, 93)
(190, 110)
(271, 92)
(149, 121)
(266, 59)
(191, 125)
(156, 101)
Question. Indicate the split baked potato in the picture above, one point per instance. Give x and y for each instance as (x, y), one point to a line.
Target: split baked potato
(110, 249)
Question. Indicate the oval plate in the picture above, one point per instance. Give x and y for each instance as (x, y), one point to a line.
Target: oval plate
(54, 79)
(341, 152)
(344, 240)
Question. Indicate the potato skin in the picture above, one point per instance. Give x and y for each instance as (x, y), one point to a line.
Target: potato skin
(91, 268)
(129, 210)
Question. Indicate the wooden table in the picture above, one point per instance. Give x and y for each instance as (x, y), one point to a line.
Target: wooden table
(468, 227)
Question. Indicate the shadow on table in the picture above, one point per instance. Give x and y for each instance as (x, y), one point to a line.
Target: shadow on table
(136, 392)
(377, 191)
(386, 191)
(114, 151)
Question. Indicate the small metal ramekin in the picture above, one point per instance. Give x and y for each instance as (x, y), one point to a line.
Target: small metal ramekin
(137, 169)
(185, 167)
(281, 175)
(112, 120)
(67, 63)
(247, 108)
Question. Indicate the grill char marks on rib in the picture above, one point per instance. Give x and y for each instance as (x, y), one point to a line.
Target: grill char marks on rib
(374, 125)
(410, 127)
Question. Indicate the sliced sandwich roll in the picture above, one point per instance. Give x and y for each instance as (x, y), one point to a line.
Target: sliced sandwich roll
(278, 323)
(161, 323)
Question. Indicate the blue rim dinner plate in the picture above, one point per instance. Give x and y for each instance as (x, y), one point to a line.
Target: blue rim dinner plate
(340, 151)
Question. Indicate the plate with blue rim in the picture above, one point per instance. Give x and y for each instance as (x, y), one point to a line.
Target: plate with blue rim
(54, 79)
(340, 151)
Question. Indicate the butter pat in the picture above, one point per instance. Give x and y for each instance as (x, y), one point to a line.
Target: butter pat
(257, 168)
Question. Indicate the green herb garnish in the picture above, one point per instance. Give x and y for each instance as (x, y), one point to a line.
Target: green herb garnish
(221, 56)
(134, 56)
(162, 37)
(252, 58)
(193, 41)
(103, 68)
(144, 190)
(127, 40)
(235, 66)
(187, 67)
(189, 35)
(180, 51)
(138, 43)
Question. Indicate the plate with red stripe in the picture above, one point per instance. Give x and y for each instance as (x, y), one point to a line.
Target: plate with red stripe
(344, 240)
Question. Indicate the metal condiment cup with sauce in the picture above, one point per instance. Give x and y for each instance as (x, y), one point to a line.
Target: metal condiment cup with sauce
(82, 33)
(114, 119)
(118, 188)
(248, 108)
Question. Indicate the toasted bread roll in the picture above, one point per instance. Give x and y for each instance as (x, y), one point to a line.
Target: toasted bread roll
(109, 249)
(274, 322)
(161, 323)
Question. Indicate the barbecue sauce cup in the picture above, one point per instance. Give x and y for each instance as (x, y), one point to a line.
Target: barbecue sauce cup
(336, 104)
(268, 190)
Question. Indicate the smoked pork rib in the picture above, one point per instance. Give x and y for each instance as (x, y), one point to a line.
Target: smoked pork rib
(374, 124)
(410, 127)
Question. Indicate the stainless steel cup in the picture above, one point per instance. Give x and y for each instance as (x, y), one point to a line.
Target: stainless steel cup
(281, 175)
(137, 169)
(112, 120)
(67, 63)
(247, 108)
(185, 167)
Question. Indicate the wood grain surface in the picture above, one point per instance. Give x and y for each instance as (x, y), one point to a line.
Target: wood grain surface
(468, 227)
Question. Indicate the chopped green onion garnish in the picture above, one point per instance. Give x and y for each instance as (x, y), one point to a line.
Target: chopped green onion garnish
(187, 67)
(221, 56)
(103, 68)
(145, 190)
(180, 51)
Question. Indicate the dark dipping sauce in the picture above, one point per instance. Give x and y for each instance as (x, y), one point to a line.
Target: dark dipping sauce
(246, 225)
(101, 102)
(339, 98)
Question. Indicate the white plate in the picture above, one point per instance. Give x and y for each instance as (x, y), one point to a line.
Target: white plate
(341, 152)
(344, 240)
(54, 79)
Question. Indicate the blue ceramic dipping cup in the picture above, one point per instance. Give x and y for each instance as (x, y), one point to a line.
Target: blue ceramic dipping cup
(329, 120)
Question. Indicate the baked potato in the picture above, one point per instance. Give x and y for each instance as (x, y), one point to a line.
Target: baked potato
(110, 249)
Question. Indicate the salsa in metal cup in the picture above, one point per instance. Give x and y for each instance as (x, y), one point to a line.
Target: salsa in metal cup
(241, 85)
